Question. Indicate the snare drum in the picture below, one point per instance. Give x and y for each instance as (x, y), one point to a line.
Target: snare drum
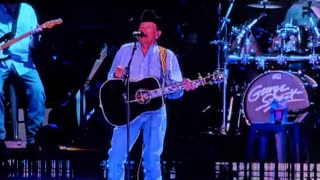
(277, 85)
(291, 39)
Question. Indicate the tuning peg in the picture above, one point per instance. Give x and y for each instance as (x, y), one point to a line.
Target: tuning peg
(199, 76)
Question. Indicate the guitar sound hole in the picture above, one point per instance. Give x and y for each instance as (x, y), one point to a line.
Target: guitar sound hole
(143, 96)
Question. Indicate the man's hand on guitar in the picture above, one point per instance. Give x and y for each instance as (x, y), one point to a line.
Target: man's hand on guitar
(119, 72)
(189, 85)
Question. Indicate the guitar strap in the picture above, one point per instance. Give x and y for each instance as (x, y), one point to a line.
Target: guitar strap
(163, 61)
(15, 20)
(13, 27)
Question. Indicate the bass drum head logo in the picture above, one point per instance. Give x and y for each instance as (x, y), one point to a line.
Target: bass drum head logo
(277, 85)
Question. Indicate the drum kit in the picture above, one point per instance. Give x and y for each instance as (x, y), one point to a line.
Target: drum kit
(287, 68)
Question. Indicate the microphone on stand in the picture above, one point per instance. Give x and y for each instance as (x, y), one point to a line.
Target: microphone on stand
(249, 26)
(138, 34)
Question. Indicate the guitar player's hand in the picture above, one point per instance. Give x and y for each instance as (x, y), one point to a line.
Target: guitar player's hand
(36, 36)
(36, 30)
(119, 72)
(189, 85)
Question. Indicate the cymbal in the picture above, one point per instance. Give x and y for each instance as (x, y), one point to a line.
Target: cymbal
(266, 5)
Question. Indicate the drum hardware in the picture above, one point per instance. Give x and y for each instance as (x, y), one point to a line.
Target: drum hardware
(291, 39)
(244, 31)
(225, 20)
(229, 113)
(280, 59)
(296, 39)
(314, 28)
(245, 39)
(223, 45)
(313, 59)
(234, 114)
(302, 48)
(265, 4)
(246, 56)
(314, 39)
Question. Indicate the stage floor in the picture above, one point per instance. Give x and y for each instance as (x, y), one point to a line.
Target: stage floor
(60, 168)
(204, 158)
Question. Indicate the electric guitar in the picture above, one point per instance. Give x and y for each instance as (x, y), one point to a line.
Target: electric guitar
(8, 40)
(96, 65)
(145, 96)
(80, 93)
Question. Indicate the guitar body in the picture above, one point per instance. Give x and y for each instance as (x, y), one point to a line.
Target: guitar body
(114, 106)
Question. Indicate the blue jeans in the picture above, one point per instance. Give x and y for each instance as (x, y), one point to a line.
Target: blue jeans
(153, 125)
(35, 96)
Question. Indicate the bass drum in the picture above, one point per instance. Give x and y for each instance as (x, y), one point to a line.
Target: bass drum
(277, 85)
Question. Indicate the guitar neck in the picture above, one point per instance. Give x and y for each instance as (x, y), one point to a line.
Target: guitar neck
(14, 40)
(96, 65)
(48, 24)
(174, 88)
(93, 71)
(210, 79)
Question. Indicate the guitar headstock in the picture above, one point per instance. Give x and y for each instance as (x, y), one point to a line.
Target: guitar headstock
(214, 78)
(50, 24)
(104, 52)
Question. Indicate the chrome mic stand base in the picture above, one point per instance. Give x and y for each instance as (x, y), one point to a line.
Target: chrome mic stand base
(225, 124)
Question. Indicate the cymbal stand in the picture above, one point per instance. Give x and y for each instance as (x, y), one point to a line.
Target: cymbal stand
(225, 21)
(315, 35)
(314, 28)
(219, 39)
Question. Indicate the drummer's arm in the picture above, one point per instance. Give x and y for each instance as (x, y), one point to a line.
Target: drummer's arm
(291, 15)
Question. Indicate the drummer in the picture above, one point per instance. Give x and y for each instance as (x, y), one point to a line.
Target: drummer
(306, 14)
(298, 14)
(303, 14)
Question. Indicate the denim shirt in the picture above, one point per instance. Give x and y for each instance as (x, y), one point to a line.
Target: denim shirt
(149, 65)
(20, 51)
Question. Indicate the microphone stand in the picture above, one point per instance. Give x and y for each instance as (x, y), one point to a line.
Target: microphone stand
(225, 20)
(126, 97)
(219, 38)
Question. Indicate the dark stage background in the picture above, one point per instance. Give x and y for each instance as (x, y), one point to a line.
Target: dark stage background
(68, 51)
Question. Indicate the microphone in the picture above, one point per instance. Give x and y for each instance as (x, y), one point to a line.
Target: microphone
(138, 34)
(246, 29)
(249, 26)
